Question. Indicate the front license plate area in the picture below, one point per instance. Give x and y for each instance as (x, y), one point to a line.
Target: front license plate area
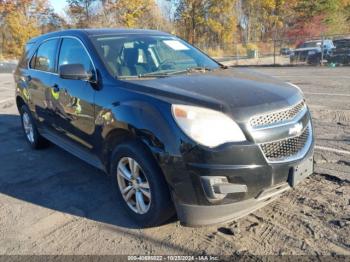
(301, 171)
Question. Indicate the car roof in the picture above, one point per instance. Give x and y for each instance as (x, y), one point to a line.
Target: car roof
(342, 39)
(97, 32)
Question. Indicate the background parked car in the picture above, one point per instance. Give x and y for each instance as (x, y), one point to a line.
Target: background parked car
(311, 51)
(285, 51)
(8, 66)
(341, 53)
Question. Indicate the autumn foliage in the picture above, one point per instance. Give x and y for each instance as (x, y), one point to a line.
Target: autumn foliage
(212, 24)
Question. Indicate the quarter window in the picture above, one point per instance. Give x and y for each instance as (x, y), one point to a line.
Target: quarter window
(72, 52)
(44, 58)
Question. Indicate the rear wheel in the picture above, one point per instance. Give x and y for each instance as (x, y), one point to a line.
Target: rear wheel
(31, 133)
(140, 185)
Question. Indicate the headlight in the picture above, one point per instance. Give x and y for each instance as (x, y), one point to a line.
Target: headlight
(207, 127)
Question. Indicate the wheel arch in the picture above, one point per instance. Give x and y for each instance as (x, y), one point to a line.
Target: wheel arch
(142, 120)
(118, 136)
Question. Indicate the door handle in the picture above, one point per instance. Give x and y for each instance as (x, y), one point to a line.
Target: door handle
(55, 88)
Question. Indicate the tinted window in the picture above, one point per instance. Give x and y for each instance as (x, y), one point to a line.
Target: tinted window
(310, 44)
(44, 59)
(344, 43)
(72, 52)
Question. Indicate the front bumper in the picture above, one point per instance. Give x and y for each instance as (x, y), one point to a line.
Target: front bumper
(263, 188)
(241, 164)
(215, 185)
(196, 215)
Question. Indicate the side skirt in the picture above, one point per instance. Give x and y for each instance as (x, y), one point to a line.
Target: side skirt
(75, 150)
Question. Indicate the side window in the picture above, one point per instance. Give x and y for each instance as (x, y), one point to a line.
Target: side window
(72, 52)
(44, 58)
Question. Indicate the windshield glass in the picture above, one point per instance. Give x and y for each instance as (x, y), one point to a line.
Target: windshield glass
(310, 44)
(133, 55)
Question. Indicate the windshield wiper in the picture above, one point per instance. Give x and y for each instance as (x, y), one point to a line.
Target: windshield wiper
(154, 74)
(191, 70)
(198, 69)
(171, 72)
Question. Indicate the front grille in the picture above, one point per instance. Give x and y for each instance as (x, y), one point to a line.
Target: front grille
(287, 148)
(276, 117)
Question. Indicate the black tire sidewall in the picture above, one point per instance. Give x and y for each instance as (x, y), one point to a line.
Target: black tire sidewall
(161, 208)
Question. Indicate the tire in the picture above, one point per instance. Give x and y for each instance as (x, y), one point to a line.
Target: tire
(156, 206)
(315, 61)
(31, 133)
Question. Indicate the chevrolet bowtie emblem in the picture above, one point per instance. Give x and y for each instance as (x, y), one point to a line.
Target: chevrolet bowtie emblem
(296, 129)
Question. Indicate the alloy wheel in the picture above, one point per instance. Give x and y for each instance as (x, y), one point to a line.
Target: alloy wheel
(28, 127)
(134, 185)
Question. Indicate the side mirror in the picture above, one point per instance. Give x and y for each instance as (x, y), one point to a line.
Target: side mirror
(74, 72)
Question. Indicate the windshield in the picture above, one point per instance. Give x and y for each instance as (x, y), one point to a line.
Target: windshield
(133, 55)
(310, 44)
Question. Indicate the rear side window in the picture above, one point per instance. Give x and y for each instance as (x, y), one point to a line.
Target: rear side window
(73, 52)
(44, 58)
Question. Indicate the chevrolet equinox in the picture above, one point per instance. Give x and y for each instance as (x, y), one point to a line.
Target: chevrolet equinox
(177, 131)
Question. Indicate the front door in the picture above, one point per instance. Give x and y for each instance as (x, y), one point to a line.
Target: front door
(74, 99)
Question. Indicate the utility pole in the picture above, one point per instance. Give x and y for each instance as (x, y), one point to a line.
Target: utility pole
(322, 48)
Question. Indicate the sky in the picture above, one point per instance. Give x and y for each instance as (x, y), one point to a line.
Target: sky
(58, 5)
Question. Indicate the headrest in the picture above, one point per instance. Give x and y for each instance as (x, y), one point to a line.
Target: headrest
(131, 56)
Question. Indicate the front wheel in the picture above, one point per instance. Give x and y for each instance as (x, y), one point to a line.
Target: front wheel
(315, 61)
(140, 185)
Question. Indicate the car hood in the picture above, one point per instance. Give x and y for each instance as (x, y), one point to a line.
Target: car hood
(240, 93)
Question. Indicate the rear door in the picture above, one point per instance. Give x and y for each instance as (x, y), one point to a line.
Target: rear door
(39, 79)
(74, 99)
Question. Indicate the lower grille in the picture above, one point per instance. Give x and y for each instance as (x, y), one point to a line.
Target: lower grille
(284, 149)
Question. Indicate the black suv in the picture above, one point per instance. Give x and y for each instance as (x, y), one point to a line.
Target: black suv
(341, 53)
(311, 52)
(176, 130)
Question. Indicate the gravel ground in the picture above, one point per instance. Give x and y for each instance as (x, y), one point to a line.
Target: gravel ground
(53, 203)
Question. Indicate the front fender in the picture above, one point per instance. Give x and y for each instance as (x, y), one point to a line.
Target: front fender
(149, 122)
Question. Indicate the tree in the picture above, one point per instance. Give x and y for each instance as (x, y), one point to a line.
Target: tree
(314, 17)
(190, 17)
(20, 29)
(21, 20)
(81, 12)
(222, 21)
(131, 14)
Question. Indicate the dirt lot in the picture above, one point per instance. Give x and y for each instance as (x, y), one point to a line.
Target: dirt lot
(53, 203)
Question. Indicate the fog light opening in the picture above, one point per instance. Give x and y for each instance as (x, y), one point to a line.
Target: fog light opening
(218, 187)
